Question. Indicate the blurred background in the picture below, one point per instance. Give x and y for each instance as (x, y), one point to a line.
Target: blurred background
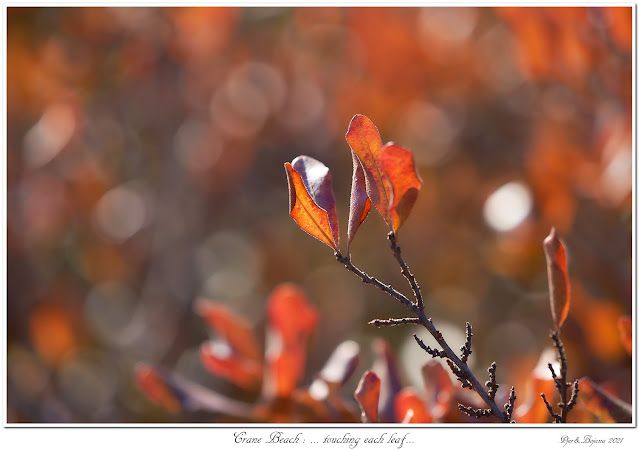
(145, 170)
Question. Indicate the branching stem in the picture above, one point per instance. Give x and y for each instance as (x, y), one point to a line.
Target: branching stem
(418, 310)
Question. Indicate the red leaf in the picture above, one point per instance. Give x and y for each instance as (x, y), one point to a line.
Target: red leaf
(225, 363)
(318, 182)
(366, 143)
(625, 331)
(152, 385)
(367, 396)
(440, 390)
(399, 166)
(236, 331)
(360, 203)
(605, 407)
(411, 408)
(303, 209)
(558, 281)
(292, 320)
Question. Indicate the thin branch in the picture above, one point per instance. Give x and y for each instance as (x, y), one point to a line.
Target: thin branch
(560, 382)
(393, 322)
(397, 251)
(573, 396)
(554, 415)
(472, 412)
(460, 367)
(511, 404)
(492, 381)
(465, 349)
(431, 351)
(375, 282)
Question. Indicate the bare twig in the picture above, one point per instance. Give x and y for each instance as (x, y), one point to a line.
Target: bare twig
(431, 351)
(492, 381)
(457, 365)
(561, 384)
(465, 349)
(397, 251)
(511, 404)
(393, 322)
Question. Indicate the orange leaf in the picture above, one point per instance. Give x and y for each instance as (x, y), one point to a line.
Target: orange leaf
(625, 330)
(360, 203)
(318, 182)
(366, 143)
(221, 361)
(236, 331)
(411, 408)
(604, 406)
(303, 209)
(292, 320)
(399, 166)
(558, 281)
(151, 383)
(367, 396)
(290, 314)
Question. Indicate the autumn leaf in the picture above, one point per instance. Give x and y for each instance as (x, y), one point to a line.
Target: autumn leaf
(439, 387)
(558, 281)
(309, 216)
(235, 330)
(366, 143)
(291, 320)
(625, 331)
(367, 396)
(318, 182)
(410, 408)
(360, 203)
(222, 361)
(399, 166)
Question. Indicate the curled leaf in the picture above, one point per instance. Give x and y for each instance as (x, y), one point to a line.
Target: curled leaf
(318, 181)
(305, 211)
(366, 143)
(558, 281)
(399, 166)
(367, 396)
(360, 203)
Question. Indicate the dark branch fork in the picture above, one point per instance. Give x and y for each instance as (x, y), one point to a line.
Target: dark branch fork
(457, 364)
(565, 404)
